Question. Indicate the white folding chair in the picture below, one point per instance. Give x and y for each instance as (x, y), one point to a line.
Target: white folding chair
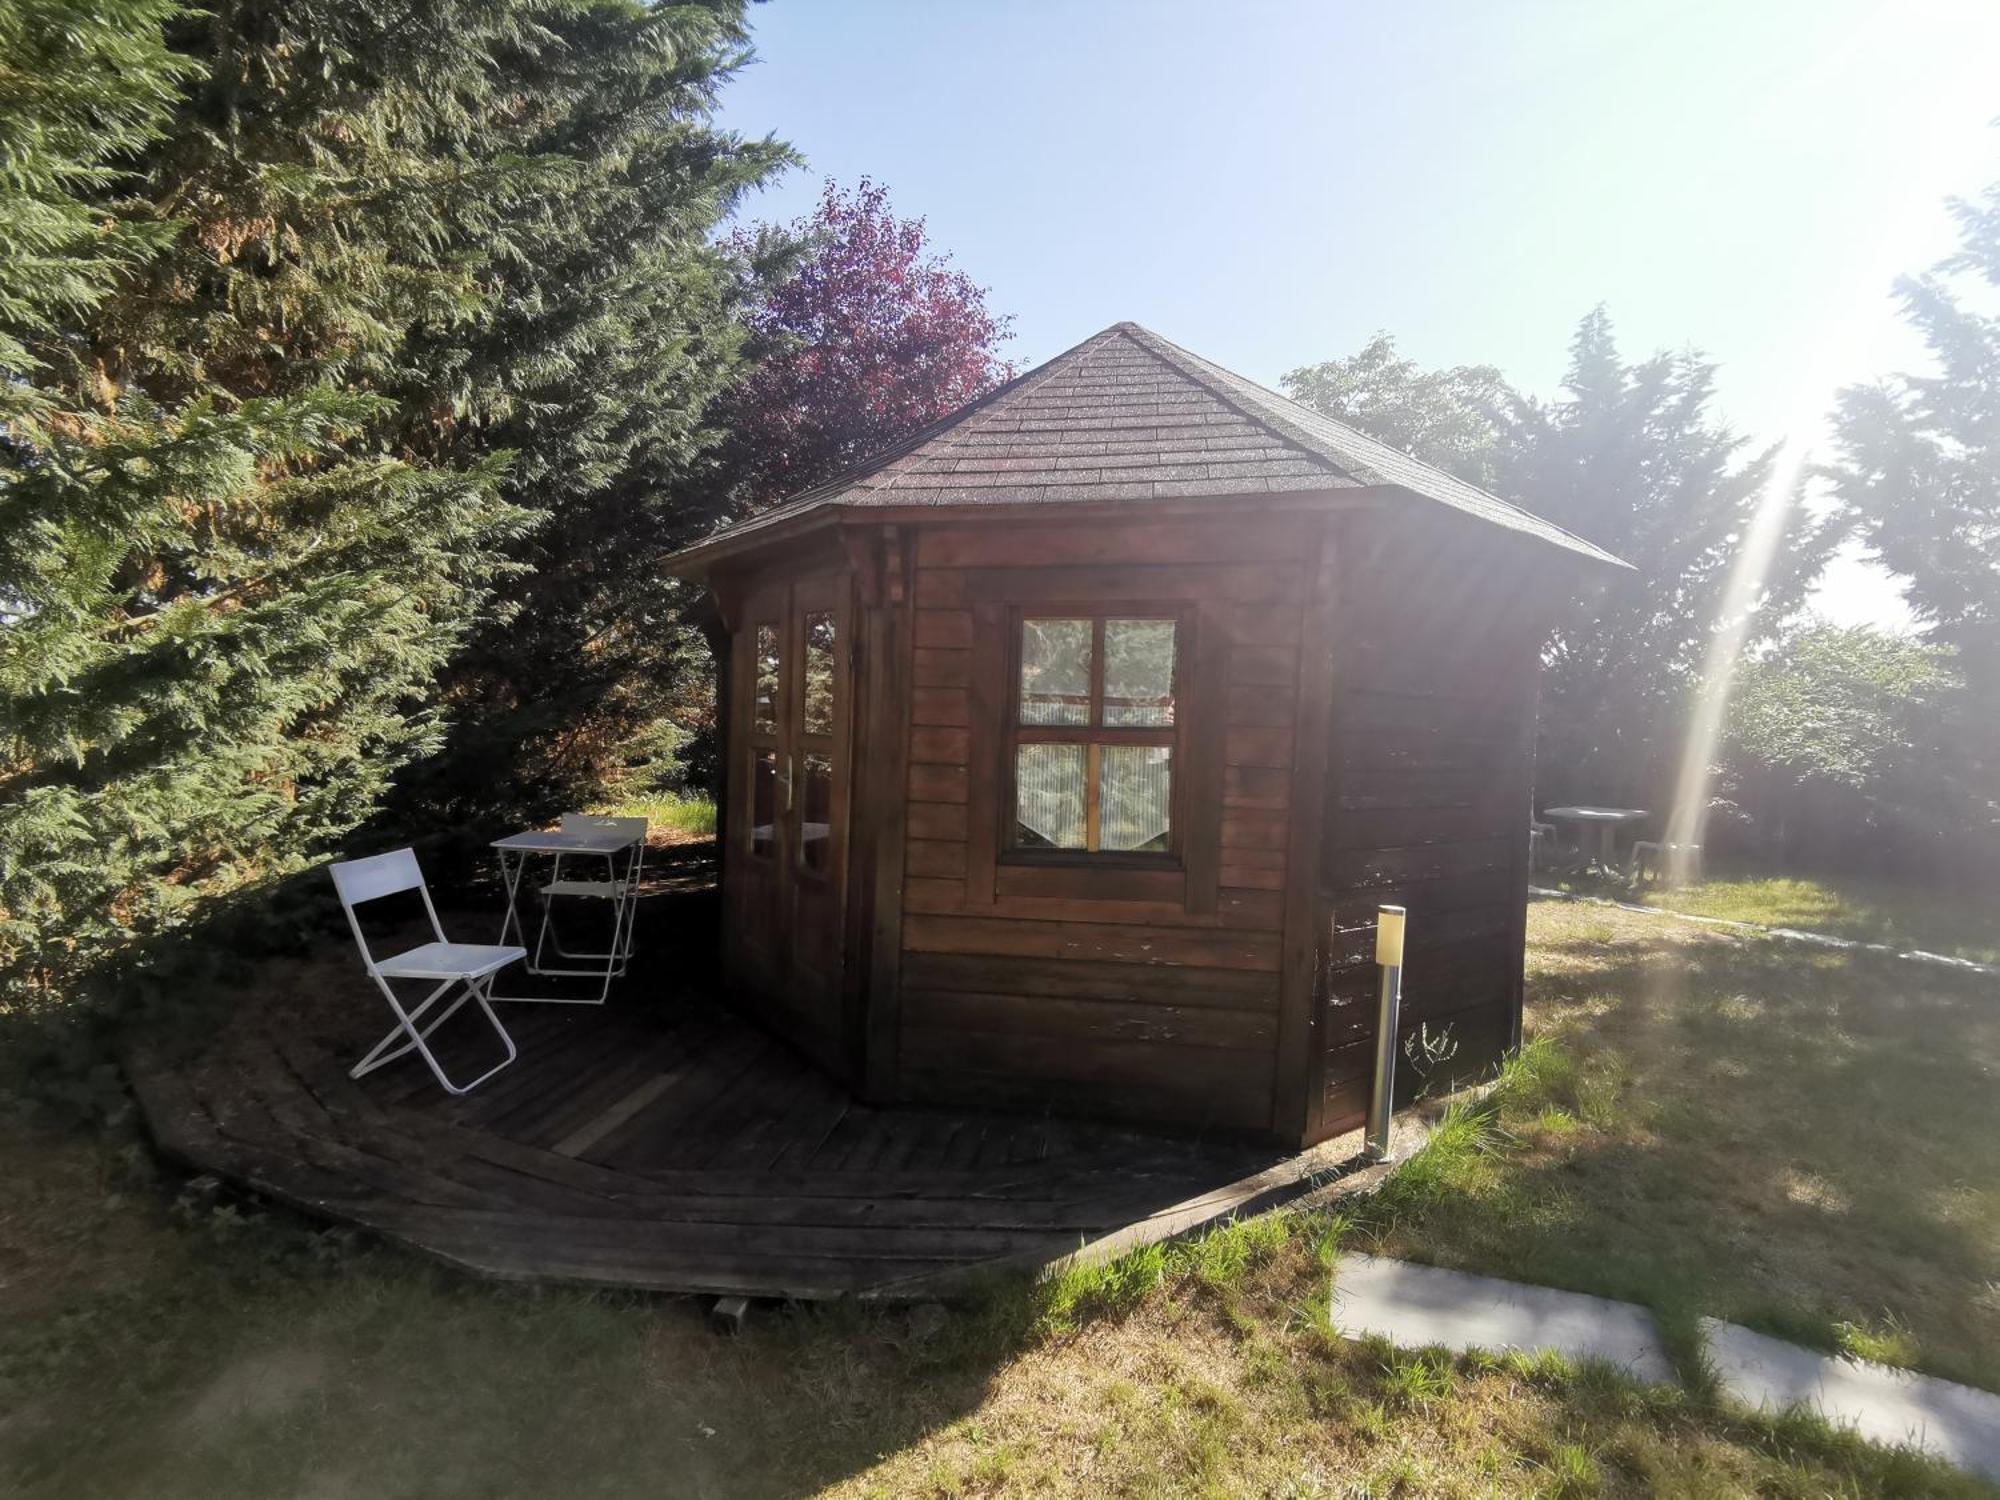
(620, 887)
(470, 966)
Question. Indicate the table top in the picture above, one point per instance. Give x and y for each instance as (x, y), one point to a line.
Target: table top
(559, 841)
(1596, 814)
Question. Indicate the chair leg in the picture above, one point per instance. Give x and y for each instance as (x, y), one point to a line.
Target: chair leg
(419, 1036)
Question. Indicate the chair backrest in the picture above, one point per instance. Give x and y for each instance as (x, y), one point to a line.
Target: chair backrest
(379, 875)
(370, 879)
(632, 828)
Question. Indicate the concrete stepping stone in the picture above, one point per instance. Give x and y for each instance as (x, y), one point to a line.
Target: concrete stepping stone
(1885, 1405)
(1417, 1306)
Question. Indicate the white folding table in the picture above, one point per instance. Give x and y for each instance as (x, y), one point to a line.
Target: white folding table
(619, 852)
(1606, 821)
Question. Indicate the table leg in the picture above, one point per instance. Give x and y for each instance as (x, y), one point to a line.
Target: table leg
(510, 877)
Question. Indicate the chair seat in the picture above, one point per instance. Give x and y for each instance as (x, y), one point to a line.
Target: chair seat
(610, 890)
(449, 961)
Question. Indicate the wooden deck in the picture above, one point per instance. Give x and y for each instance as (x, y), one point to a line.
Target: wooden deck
(662, 1142)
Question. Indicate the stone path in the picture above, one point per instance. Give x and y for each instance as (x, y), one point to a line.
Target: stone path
(1790, 934)
(1885, 1405)
(1423, 1305)
(1419, 1306)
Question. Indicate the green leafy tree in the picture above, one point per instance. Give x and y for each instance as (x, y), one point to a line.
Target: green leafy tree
(1453, 418)
(1632, 457)
(1848, 745)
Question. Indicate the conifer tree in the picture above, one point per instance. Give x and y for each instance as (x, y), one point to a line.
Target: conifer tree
(615, 325)
(225, 592)
(1918, 456)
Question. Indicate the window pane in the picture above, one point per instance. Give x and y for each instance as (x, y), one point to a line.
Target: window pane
(766, 697)
(1048, 797)
(819, 674)
(1135, 795)
(764, 802)
(1055, 671)
(1139, 672)
(816, 813)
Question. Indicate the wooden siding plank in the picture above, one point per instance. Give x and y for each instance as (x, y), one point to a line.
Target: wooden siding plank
(1253, 877)
(1246, 829)
(931, 783)
(949, 708)
(1235, 989)
(1258, 584)
(939, 747)
(948, 628)
(1270, 747)
(937, 667)
(936, 859)
(1090, 1020)
(1257, 787)
(1264, 666)
(1249, 910)
(940, 588)
(1257, 624)
(1091, 883)
(1251, 706)
(925, 933)
(1096, 542)
(937, 820)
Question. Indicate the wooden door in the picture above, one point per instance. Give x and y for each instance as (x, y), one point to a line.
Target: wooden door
(789, 863)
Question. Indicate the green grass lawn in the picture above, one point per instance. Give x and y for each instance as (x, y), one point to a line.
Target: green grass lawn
(1706, 1123)
(1803, 1140)
(679, 815)
(1954, 923)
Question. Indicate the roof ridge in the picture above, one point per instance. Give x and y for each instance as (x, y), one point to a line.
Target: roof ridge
(882, 458)
(1299, 434)
(964, 422)
(1128, 415)
(1201, 371)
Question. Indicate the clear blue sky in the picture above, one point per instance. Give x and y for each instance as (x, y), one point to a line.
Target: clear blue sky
(1270, 183)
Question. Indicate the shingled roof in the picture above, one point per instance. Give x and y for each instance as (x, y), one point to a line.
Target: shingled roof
(1128, 416)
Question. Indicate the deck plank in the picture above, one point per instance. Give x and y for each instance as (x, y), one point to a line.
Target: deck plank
(674, 1150)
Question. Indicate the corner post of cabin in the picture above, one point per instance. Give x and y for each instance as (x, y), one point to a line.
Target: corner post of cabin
(714, 614)
(883, 809)
(1295, 1109)
(1522, 798)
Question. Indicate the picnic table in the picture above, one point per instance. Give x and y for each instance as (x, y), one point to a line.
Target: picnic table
(1606, 821)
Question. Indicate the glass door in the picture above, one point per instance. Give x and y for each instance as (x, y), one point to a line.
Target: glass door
(789, 845)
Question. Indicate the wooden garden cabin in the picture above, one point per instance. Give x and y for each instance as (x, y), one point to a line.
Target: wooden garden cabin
(1072, 744)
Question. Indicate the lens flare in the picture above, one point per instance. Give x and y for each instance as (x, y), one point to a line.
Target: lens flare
(1741, 598)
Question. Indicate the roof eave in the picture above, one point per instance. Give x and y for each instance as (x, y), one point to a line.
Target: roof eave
(696, 562)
